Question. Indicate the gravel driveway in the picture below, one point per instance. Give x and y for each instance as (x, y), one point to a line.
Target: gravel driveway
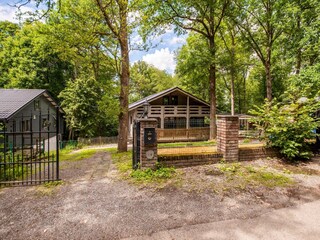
(93, 204)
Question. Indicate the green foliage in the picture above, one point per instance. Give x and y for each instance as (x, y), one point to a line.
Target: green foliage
(147, 80)
(306, 83)
(289, 125)
(193, 61)
(29, 61)
(79, 101)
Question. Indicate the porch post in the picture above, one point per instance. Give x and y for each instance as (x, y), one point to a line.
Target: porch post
(162, 117)
(188, 113)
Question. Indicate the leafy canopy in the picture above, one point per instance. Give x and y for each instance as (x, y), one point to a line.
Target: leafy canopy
(291, 123)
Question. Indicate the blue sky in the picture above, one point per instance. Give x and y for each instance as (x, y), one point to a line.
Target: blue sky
(162, 56)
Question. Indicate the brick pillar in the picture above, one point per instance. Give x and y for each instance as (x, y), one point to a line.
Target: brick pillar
(148, 151)
(228, 136)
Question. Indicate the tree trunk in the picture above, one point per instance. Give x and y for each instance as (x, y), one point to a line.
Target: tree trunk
(298, 61)
(233, 73)
(244, 110)
(268, 74)
(232, 94)
(124, 81)
(299, 54)
(212, 88)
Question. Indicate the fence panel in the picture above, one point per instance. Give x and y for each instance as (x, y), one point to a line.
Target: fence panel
(29, 156)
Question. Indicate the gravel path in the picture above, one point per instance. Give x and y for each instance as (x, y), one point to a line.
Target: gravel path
(93, 204)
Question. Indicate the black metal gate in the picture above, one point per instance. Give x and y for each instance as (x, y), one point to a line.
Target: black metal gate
(136, 145)
(29, 149)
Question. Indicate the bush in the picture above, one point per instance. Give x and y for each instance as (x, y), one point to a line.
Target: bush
(289, 125)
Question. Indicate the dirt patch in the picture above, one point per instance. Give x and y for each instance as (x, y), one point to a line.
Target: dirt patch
(94, 203)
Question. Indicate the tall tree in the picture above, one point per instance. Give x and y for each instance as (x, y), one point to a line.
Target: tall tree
(234, 58)
(262, 23)
(302, 37)
(79, 101)
(203, 17)
(115, 14)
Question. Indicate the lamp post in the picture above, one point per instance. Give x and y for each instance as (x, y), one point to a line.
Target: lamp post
(145, 109)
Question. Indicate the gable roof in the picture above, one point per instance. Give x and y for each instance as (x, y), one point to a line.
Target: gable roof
(161, 94)
(13, 100)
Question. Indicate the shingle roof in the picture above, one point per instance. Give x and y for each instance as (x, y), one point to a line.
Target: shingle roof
(159, 94)
(12, 100)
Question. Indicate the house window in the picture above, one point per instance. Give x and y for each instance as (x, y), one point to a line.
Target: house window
(172, 100)
(175, 122)
(37, 105)
(166, 100)
(45, 124)
(196, 122)
(26, 126)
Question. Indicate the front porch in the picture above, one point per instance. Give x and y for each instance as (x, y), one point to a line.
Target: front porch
(183, 135)
(178, 123)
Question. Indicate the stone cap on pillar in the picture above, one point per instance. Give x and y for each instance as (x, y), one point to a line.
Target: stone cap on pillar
(233, 117)
(147, 120)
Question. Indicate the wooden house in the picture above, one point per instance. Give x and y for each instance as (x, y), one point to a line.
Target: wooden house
(181, 116)
(28, 119)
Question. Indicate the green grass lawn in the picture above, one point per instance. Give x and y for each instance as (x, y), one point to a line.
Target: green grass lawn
(71, 155)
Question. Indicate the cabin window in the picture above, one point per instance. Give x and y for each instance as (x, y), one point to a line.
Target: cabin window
(37, 105)
(45, 124)
(172, 100)
(175, 122)
(25, 126)
(165, 100)
(197, 122)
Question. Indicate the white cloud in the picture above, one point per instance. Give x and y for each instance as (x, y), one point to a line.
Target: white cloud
(178, 40)
(8, 13)
(162, 59)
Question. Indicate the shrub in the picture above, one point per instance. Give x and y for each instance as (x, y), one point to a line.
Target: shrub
(288, 125)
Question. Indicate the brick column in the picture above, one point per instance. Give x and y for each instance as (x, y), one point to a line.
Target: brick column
(228, 136)
(148, 152)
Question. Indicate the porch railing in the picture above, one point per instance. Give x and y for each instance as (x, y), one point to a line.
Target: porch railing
(174, 135)
(158, 110)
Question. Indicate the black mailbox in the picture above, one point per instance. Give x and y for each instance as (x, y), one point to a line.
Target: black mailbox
(150, 136)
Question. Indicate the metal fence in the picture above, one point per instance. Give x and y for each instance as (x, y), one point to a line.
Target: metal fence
(29, 152)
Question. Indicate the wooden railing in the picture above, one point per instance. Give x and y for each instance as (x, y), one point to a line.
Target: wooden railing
(158, 110)
(175, 135)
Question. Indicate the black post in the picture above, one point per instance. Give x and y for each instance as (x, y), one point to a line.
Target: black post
(5, 149)
(134, 145)
(57, 140)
